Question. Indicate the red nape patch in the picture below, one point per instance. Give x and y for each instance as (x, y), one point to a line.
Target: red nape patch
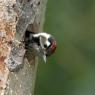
(53, 46)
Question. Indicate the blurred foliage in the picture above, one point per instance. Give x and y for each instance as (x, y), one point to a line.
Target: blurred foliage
(71, 70)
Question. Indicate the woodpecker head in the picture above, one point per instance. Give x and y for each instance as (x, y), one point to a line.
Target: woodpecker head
(46, 44)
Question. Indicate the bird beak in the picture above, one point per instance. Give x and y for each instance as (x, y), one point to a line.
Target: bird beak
(42, 49)
(44, 58)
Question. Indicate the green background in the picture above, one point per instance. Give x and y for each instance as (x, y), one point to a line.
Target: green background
(71, 70)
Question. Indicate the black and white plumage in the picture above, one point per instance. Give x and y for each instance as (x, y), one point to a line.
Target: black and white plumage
(45, 43)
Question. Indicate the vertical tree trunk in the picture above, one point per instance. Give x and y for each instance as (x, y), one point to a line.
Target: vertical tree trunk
(15, 17)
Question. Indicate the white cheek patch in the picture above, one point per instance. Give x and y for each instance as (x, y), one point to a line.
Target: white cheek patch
(47, 43)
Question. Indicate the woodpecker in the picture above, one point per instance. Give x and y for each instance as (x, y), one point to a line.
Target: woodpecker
(45, 44)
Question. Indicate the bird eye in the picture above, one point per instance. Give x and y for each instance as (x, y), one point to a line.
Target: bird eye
(45, 46)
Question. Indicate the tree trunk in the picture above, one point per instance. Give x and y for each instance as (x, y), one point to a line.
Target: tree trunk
(17, 16)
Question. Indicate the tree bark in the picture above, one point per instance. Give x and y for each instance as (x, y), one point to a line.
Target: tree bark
(17, 16)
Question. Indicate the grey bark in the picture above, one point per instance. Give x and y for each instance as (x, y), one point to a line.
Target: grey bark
(28, 14)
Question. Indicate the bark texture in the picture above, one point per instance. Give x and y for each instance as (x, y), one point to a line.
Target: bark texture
(15, 17)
